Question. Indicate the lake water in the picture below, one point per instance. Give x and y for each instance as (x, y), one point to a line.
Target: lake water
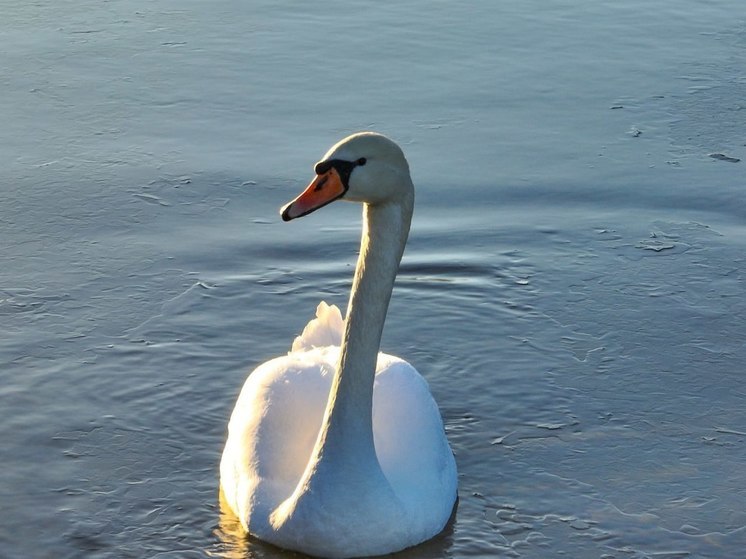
(574, 288)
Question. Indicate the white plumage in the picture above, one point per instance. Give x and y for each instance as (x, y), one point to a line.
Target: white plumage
(336, 449)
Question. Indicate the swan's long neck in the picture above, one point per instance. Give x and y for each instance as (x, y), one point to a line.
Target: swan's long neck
(343, 472)
(347, 432)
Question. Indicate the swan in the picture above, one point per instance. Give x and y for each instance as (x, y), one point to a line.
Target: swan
(335, 449)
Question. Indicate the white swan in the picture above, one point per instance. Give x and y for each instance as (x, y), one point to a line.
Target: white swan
(337, 450)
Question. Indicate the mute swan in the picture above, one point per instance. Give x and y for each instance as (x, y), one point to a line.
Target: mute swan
(337, 450)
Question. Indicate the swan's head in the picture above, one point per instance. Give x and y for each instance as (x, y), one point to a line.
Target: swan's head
(366, 167)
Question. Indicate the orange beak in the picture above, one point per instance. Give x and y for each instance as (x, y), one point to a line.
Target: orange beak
(324, 189)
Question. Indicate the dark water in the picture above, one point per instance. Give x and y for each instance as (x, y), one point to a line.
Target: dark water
(573, 289)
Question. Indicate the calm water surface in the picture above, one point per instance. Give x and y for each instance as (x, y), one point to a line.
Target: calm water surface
(573, 289)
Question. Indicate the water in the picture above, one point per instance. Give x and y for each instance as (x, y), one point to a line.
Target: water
(573, 289)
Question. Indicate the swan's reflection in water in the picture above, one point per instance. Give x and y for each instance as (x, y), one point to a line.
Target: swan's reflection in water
(237, 544)
(235, 541)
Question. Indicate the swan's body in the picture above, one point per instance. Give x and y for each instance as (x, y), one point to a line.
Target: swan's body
(337, 450)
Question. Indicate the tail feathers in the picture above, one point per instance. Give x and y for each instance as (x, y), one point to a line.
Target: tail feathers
(324, 330)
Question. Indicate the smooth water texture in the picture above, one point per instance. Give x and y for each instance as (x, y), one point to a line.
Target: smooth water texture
(573, 289)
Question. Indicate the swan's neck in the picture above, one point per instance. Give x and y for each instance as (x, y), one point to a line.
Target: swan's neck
(344, 456)
(347, 431)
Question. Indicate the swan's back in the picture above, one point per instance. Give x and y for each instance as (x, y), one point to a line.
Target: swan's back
(277, 419)
(411, 445)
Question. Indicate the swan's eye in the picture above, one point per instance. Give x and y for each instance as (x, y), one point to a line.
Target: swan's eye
(362, 161)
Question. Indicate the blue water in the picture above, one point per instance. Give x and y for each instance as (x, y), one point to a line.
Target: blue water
(573, 289)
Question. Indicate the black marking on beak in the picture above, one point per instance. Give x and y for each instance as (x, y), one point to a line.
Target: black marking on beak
(321, 184)
(344, 168)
